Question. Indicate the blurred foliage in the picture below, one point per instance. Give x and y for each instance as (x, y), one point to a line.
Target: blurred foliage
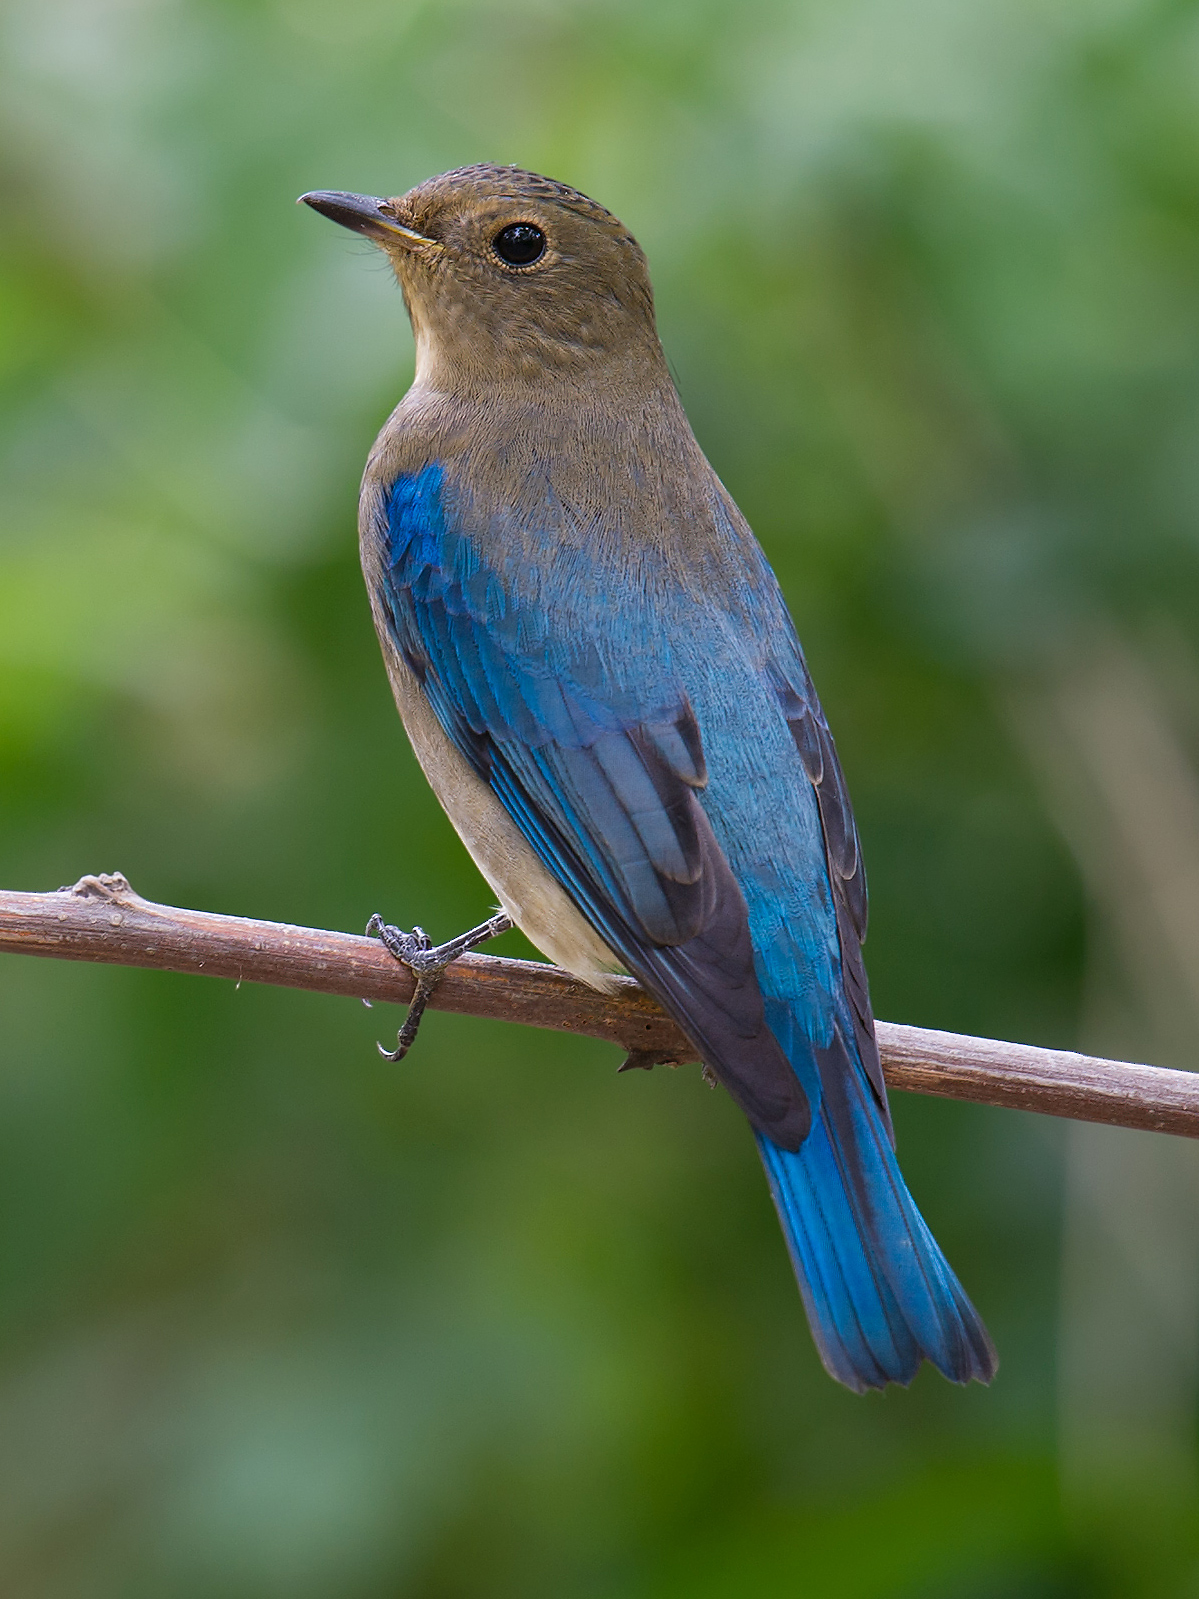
(277, 1318)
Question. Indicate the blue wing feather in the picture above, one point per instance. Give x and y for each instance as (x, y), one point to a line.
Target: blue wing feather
(602, 787)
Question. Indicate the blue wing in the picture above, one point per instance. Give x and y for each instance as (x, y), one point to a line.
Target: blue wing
(602, 785)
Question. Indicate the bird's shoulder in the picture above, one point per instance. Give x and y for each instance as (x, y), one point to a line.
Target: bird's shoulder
(610, 478)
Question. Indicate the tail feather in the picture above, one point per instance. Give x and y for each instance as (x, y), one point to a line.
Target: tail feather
(879, 1294)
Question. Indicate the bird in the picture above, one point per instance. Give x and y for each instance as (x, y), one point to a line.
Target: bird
(601, 680)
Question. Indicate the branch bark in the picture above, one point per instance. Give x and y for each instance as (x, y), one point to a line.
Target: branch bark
(102, 919)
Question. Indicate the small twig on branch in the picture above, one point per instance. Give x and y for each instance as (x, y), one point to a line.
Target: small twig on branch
(102, 919)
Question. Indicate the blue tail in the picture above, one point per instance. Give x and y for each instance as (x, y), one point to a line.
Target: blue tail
(879, 1294)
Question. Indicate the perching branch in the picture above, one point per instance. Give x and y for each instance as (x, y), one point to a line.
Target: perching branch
(102, 919)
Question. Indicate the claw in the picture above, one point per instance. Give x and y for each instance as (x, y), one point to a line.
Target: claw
(406, 1036)
(426, 962)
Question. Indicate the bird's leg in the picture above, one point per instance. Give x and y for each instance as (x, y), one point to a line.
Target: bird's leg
(426, 962)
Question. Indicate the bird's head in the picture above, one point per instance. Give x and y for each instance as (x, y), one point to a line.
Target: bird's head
(508, 276)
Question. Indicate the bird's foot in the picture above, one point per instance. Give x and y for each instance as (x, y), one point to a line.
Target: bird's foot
(426, 961)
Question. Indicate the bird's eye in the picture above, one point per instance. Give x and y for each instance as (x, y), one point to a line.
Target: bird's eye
(519, 244)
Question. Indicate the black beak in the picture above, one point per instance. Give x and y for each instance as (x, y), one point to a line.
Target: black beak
(363, 213)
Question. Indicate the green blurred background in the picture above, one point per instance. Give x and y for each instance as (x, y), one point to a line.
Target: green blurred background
(279, 1319)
